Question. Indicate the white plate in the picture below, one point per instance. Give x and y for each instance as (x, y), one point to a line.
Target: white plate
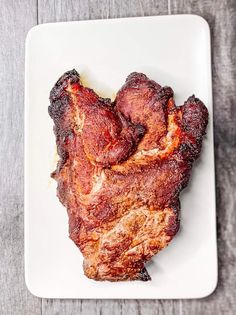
(173, 50)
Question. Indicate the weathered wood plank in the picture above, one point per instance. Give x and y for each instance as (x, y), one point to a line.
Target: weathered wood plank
(16, 18)
(51, 11)
(110, 307)
(221, 15)
(73, 10)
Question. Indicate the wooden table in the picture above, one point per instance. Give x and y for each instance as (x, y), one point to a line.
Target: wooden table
(16, 18)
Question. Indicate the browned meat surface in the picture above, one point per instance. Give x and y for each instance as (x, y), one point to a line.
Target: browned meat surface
(122, 166)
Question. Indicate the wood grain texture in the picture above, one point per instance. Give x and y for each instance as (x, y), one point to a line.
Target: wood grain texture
(16, 17)
(75, 10)
(111, 307)
(221, 16)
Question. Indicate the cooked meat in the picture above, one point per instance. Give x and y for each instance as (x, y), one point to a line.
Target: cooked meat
(122, 167)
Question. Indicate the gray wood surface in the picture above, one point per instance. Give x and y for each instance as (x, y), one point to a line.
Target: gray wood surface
(16, 18)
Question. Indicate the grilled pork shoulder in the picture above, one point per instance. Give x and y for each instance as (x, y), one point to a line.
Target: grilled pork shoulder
(122, 167)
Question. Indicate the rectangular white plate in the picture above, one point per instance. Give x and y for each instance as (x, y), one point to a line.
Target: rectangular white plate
(174, 51)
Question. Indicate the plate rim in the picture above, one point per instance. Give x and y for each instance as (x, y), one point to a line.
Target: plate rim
(31, 33)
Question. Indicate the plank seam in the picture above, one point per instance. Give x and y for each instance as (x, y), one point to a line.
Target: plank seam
(37, 15)
(169, 7)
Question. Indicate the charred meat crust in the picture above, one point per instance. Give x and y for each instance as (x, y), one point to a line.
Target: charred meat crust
(122, 167)
(144, 275)
(107, 140)
(58, 90)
